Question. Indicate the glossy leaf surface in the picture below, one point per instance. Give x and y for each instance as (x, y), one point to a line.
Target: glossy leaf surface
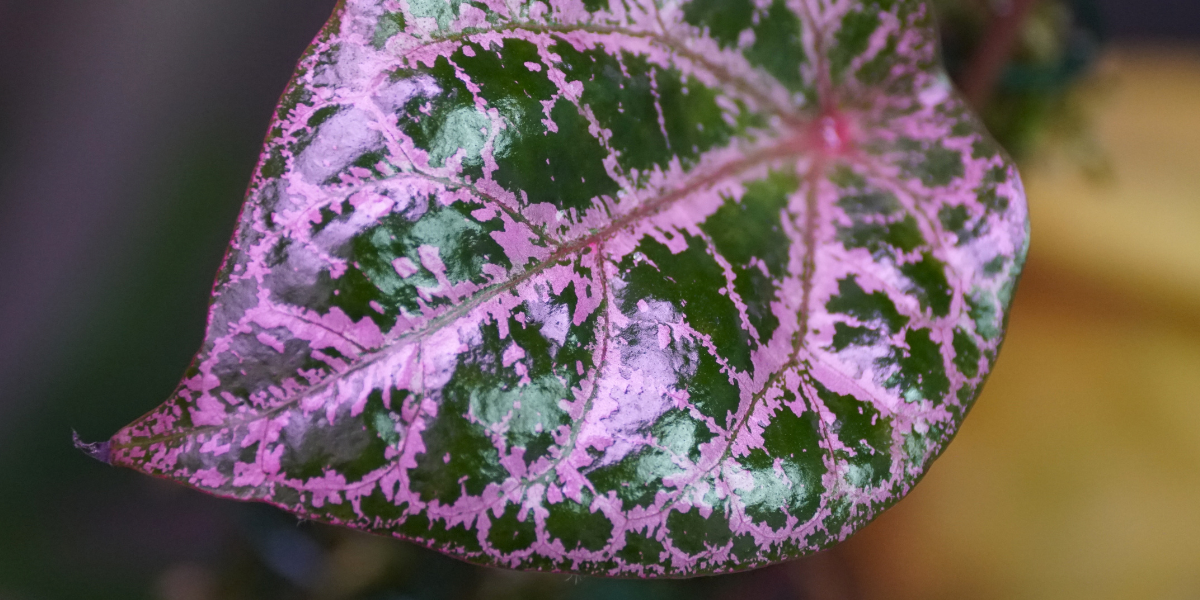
(615, 288)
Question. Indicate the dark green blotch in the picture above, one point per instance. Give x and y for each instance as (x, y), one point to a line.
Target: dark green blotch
(473, 460)
(869, 204)
(418, 526)
(854, 301)
(636, 478)
(753, 229)
(275, 164)
(860, 426)
(692, 533)
(778, 48)
(577, 526)
(694, 121)
(323, 115)
(995, 266)
(796, 440)
(423, 129)
(350, 446)
(876, 70)
(624, 101)
(746, 550)
(377, 507)
(941, 166)
(510, 534)
(851, 40)
(464, 245)
(922, 371)
(930, 284)
(759, 507)
(966, 354)
(579, 344)
(724, 19)
(845, 336)
(986, 314)
(691, 281)
(954, 218)
(495, 389)
(903, 235)
(389, 25)
(640, 549)
(681, 434)
(564, 168)
(711, 390)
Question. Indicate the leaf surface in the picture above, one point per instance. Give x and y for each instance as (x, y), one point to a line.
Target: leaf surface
(619, 288)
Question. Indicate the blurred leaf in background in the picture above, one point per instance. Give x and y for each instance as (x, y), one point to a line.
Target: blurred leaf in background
(1043, 99)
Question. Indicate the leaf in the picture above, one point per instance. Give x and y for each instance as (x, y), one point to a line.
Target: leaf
(619, 289)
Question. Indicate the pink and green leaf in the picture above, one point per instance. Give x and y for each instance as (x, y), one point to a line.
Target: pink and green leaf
(619, 288)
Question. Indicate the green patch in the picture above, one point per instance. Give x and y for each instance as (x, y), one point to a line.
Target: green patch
(382, 420)
(966, 354)
(922, 371)
(452, 123)
(749, 231)
(712, 391)
(694, 120)
(930, 285)
(680, 434)
(510, 534)
(459, 455)
(778, 48)
(497, 395)
(564, 168)
(418, 526)
(882, 239)
(862, 428)
(376, 506)
(995, 266)
(851, 40)
(796, 441)
(869, 204)
(348, 446)
(694, 533)
(877, 70)
(985, 312)
(577, 526)
(640, 549)
(845, 336)
(692, 282)
(746, 550)
(464, 246)
(877, 306)
(389, 25)
(724, 19)
(941, 166)
(769, 495)
(621, 94)
(322, 115)
(626, 477)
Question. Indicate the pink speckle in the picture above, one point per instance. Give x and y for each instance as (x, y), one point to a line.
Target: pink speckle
(404, 267)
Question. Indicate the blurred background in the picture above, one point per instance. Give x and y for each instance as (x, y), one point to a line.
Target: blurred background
(128, 131)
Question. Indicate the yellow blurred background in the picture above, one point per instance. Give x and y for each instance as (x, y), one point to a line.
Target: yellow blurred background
(1077, 475)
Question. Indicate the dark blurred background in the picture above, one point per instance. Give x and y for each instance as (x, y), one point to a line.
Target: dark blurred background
(128, 131)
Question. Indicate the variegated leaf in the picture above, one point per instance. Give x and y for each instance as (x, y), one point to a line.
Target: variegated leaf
(618, 288)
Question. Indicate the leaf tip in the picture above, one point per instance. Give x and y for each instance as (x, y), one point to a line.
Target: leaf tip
(97, 450)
